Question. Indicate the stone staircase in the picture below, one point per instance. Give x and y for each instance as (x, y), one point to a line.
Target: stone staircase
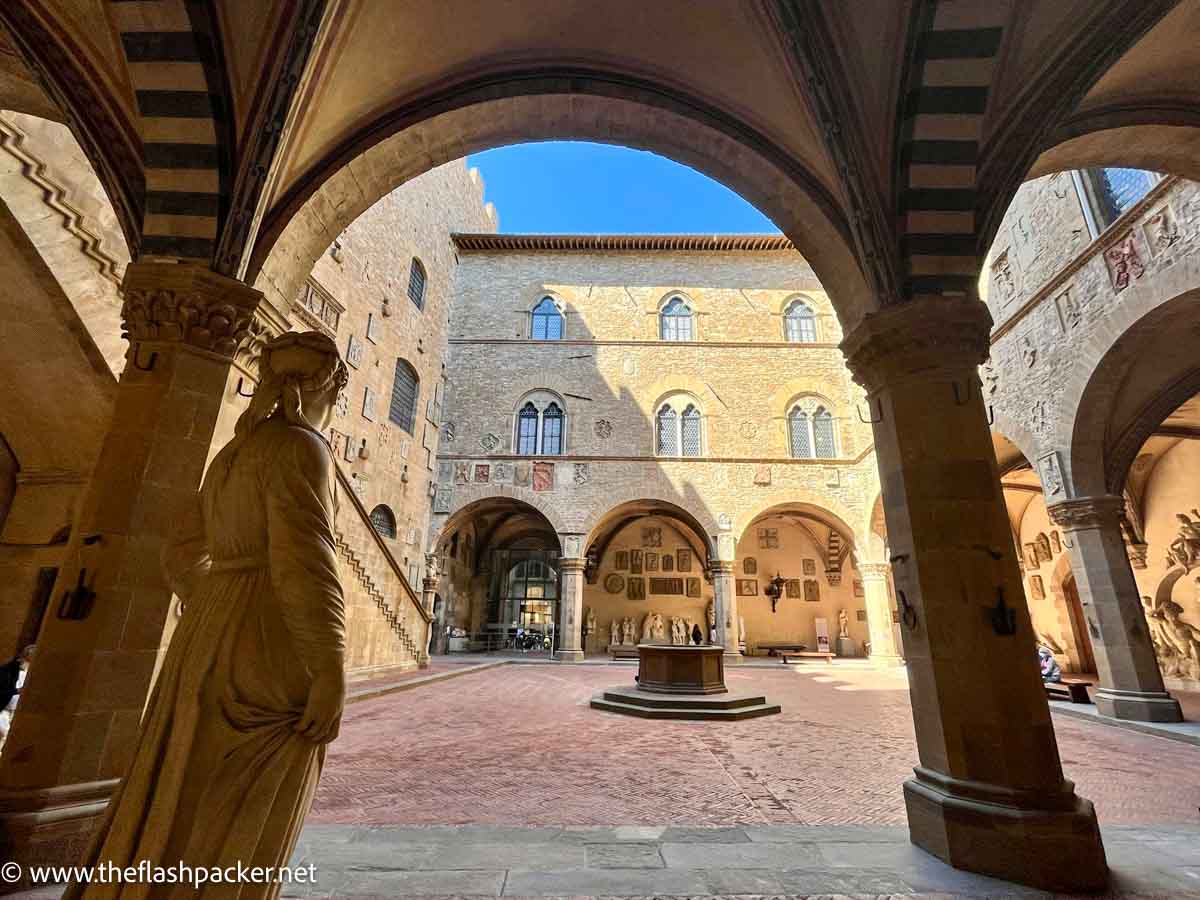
(387, 626)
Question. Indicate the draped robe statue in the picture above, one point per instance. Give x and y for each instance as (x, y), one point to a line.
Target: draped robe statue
(252, 685)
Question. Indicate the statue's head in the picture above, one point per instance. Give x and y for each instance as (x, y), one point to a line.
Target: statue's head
(306, 372)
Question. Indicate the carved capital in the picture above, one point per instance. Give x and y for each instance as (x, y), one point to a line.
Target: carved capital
(1104, 511)
(573, 564)
(925, 338)
(192, 305)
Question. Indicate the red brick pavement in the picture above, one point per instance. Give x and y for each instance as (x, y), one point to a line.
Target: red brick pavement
(518, 745)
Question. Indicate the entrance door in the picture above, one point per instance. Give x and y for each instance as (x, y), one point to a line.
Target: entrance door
(1083, 640)
(526, 600)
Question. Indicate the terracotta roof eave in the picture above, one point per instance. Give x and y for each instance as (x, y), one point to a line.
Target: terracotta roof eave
(592, 243)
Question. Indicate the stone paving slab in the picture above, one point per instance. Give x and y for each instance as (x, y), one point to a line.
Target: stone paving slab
(754, 860)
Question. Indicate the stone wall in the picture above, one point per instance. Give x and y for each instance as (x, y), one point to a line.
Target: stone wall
(1086, 345)
(366, 273)
(61, 259)
(610, 373)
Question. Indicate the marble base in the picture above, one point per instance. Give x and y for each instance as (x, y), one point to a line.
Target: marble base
(1137, 706)
(1051, 843)
(568, 656)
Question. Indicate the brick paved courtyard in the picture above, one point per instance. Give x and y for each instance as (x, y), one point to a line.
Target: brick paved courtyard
(518, 745)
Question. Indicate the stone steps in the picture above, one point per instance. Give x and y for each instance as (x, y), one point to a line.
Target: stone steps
(707, 708)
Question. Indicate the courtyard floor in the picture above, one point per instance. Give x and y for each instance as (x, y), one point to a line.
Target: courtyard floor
(501, 781)
(518, 745)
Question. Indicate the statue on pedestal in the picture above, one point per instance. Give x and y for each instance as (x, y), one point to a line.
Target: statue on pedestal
(660, 628)
(614, 632)
(252, 685)
(843, 624)
(648, 628)
(629, 630)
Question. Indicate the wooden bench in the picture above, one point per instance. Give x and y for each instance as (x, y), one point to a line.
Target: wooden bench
(827, 655)
(1075, 691)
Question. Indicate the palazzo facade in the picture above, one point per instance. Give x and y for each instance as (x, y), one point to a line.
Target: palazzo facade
(672, 416)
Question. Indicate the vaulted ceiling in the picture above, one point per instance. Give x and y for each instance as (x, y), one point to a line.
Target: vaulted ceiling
(908, 122)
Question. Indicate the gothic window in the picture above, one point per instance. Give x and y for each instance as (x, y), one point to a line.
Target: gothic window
(667, 427)
(679, 428)
(1106, 194)
(384, 521)
(416, 283)
(552, 422)
(811, 430)
(689, 429)
(822, 423)
(540, 427)
(547, 321)
(676, 321)
(799, 323)
(798, 438)
(403, 410)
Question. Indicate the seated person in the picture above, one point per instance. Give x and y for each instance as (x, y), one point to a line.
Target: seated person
(1050, 670)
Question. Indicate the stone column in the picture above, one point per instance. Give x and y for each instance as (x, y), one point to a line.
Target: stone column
(884, 652)
(1131, 684)
(989, 793)
(77, 724)
(725, 609)
(571, 603)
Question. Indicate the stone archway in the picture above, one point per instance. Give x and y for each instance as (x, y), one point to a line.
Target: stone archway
(550, 104)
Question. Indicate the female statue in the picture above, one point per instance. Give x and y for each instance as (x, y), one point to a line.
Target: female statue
(252, 686)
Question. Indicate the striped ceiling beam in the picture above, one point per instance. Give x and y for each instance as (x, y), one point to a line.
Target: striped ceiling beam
(185, 136)
(951, 62)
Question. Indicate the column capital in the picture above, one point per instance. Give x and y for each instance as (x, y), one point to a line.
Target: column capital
(922, 338)
(572, 563)
(1088, 512)
(169, 303)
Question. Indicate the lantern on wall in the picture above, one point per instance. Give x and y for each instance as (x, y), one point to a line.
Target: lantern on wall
(774, 590)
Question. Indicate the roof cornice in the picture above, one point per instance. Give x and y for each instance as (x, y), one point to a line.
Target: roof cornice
(620, 243)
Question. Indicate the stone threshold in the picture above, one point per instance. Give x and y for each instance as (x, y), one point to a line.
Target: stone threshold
(407, 684)
(1187, 732)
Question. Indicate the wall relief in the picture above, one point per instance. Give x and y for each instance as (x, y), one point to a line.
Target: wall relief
(1124, 262)
(1161, 230)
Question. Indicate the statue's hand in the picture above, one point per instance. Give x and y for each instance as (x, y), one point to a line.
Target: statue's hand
(323, 712)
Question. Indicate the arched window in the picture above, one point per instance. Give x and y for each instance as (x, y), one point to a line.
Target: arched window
(811, 431)
(798, 436)
(384, 521)
(676, 321)
(667, 426)
(799, 323)
(540, 425)
(823, 443)
(527, 430)
(679, 428)
(552, 422)
(547, 321)
(416, 283)
(403, 410)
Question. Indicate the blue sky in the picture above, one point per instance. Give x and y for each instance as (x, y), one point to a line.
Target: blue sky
(576, 187)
